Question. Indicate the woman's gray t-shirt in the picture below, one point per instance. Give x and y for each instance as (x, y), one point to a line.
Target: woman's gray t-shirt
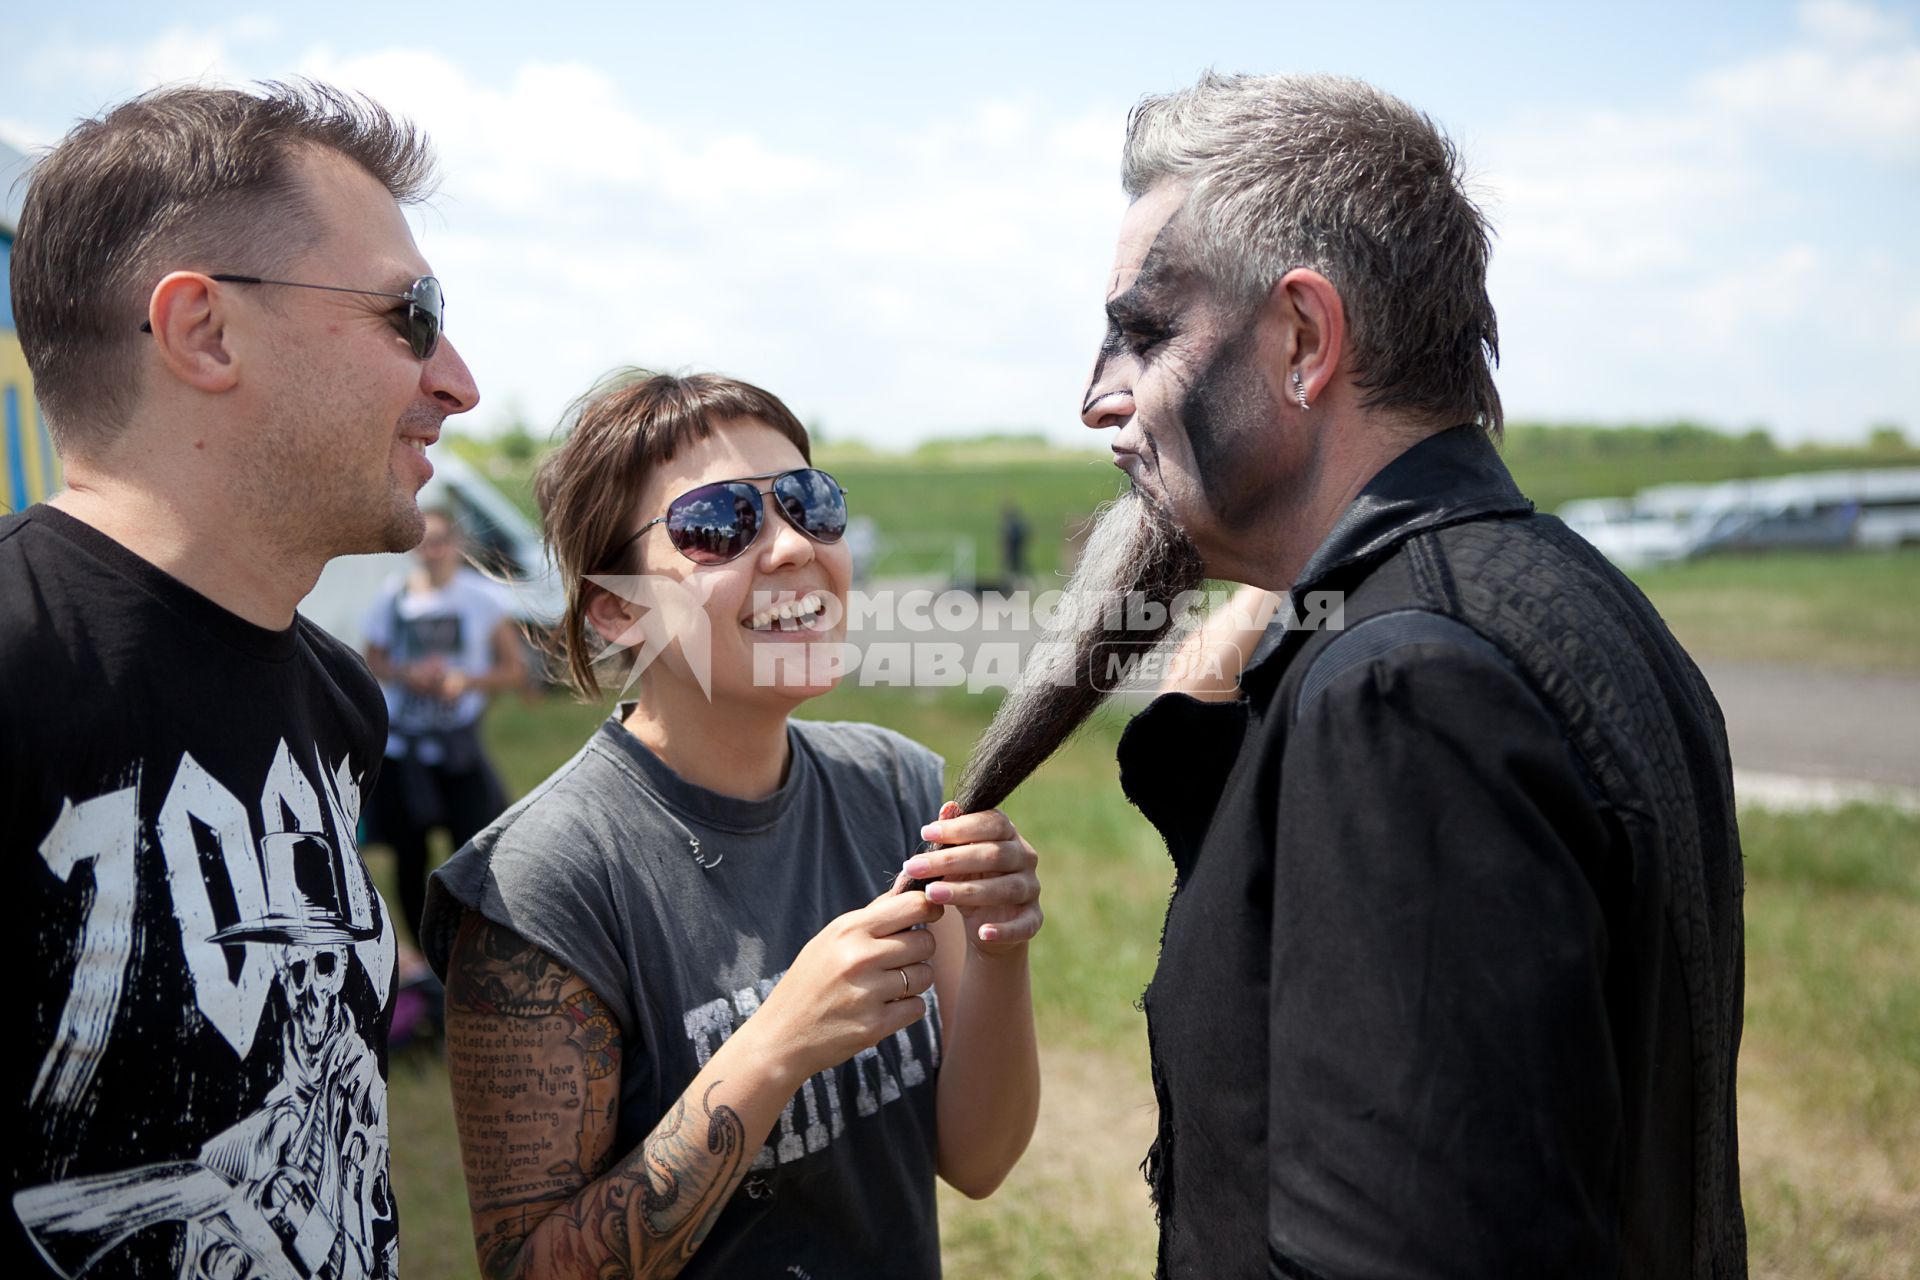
(598, 866)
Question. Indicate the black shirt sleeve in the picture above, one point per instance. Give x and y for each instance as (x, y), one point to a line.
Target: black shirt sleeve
(1442, 1092)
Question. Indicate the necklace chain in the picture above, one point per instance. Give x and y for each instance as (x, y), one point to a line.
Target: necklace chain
(693, 841)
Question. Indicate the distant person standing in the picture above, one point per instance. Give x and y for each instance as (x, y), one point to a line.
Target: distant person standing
(1013, 544)
(440, 641)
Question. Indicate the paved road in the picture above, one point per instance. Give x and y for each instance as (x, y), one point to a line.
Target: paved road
(1821, 724)
(1782, 722)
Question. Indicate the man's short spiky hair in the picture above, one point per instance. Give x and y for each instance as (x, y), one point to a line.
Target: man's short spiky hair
(1332, 174)
(187, 177)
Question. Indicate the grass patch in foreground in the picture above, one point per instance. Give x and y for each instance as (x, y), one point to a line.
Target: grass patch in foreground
(1830, 1064)
(1830, 1071)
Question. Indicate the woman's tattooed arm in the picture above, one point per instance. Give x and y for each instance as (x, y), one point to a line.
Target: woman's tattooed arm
(534, 1056)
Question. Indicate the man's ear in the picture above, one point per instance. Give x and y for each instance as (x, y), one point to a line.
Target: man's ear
(1310, 321)
(188, 315)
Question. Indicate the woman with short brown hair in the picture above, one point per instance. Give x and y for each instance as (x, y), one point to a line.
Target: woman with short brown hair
(694, 1021)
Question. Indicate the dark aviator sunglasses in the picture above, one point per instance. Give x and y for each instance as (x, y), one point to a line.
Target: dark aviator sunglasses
(419, 322)
(717, 522)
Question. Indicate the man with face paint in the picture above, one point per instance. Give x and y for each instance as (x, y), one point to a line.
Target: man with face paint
(1451, 978)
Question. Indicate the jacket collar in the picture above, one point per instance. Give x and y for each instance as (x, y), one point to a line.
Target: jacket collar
(1449, 477)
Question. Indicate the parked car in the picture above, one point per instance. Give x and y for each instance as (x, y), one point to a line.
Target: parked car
(1821, 509)
(1628, 535)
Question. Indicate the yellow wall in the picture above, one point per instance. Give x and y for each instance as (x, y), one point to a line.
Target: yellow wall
(28, 467)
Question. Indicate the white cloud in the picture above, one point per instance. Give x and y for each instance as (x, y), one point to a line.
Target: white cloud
(1671, 257)
(893, 284)
(1695, 255)
(1851, 83)
(22, 135)
(1849, 24)
(178, 53)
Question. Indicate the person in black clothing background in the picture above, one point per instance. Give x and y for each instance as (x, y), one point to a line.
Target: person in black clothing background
(1450, 983)
(1013, 545)
(237, 348)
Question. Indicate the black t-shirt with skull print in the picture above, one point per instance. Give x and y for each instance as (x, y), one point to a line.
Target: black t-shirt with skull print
(204, 968)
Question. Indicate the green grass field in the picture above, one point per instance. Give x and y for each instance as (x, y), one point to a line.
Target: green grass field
(1852, 610)
(923, 507)
(1830, 1068)
(1555, 464)
(1830, 1079)
(948, 491)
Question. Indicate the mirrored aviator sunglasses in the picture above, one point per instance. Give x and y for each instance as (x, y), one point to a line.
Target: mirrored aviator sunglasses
(420, 322)
(425, 317)
(717, 522)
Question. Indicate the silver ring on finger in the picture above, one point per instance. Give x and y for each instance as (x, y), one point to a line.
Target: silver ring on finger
(906, 985)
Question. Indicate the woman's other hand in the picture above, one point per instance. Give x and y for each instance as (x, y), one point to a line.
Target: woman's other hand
(987, 872)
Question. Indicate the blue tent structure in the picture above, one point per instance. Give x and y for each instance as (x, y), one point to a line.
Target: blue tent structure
(29, 469)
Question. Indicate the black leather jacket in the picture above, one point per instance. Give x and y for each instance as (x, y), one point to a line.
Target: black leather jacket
(1451, 977)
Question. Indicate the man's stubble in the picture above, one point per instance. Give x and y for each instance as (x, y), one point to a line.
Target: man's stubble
(312, 480)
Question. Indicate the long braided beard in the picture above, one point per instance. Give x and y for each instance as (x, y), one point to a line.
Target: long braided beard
(1135, 552)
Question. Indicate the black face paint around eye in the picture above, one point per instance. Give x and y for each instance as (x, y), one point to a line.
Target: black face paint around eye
(1144, 334)
(1131, 311)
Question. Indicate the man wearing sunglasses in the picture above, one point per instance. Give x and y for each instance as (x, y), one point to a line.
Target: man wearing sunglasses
(239, 350)
(1450, 982)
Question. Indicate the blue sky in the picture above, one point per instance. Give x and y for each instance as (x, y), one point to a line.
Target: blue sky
(900, 219)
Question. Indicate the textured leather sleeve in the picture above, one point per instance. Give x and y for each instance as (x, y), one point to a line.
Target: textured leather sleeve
(1442, 1095)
